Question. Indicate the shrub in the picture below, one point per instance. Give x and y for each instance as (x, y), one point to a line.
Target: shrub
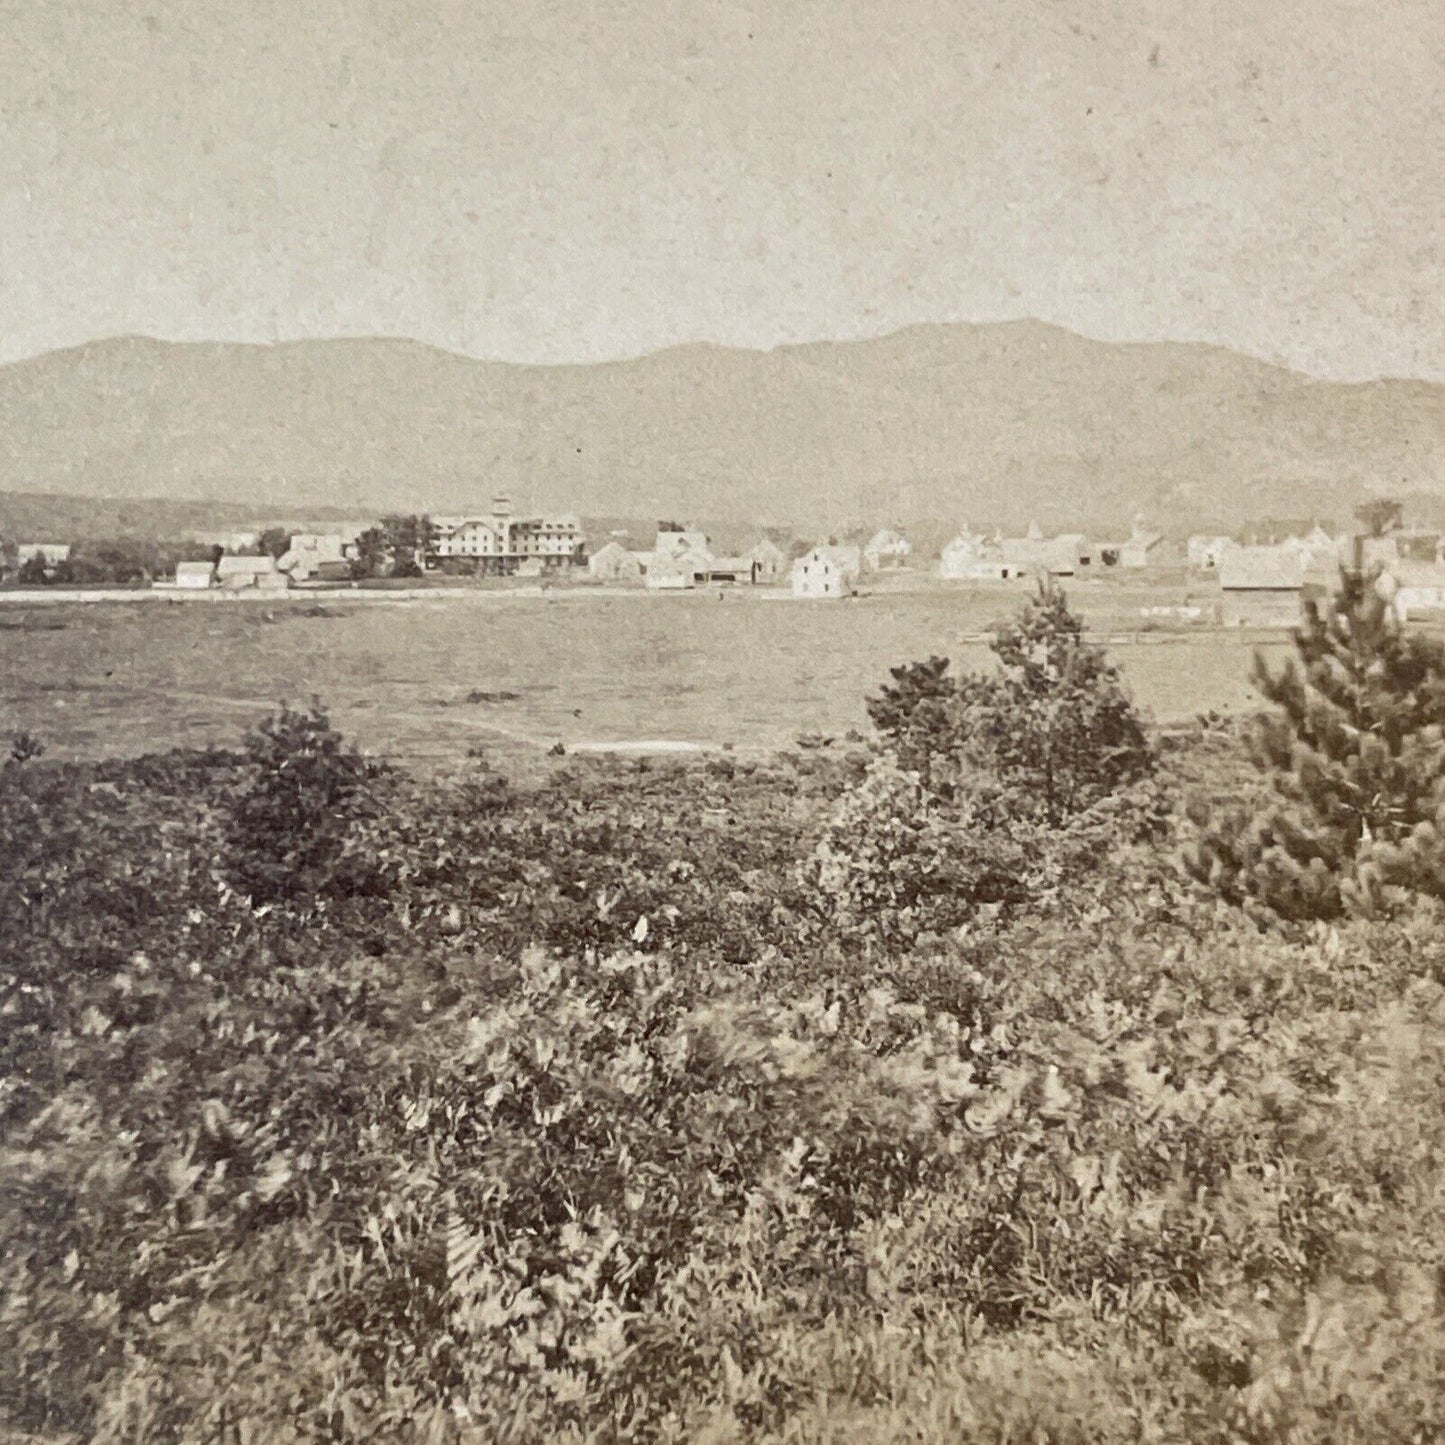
(1053, 726)
(894, 860)
(33, 571)
(286, 825)
(1109, 1165)
(25, 745)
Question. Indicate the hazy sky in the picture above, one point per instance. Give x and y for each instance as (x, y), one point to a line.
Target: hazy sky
(580, 179)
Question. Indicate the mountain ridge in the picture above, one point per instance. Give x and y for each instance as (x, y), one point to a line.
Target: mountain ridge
(993, 423)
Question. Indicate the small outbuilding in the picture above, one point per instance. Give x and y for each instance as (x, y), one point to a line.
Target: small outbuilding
(195, 576)
(236, 574)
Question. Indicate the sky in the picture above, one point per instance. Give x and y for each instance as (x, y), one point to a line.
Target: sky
(577, 180)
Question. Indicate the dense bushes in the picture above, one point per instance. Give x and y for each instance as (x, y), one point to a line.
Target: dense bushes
(987, 783)
(637, 1103)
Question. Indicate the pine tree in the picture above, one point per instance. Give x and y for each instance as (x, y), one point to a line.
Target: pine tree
(1052, 730)
(1354, 754)
(912, 712)
(1058, 723)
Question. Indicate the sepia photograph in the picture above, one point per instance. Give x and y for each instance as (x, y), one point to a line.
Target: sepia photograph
(722, 721)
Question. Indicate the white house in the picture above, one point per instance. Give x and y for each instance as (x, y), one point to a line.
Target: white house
(675, 541)
(1037, 555)
(238, 573)
(829, 571)
(1069, 552)
(614, 563)
(686, 546)
(309, 551)
(887, 549)
(669, 573)
(960, 556)
(768, 562)
(972, 558)
(1143, 549)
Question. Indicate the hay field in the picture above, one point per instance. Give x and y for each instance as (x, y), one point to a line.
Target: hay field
(425, 681)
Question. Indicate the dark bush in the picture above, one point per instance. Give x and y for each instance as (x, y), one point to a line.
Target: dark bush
(287, 823)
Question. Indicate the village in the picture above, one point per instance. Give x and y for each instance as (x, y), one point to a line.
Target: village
(495, 543)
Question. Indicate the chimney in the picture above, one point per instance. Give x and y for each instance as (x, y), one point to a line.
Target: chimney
(501, 506)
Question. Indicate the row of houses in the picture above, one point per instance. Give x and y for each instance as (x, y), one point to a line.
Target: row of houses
(683, 557)
(1410, 585)
(971, 556)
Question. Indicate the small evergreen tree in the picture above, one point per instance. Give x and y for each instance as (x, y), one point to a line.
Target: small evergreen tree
(1354, 754)
(1058, 724)
(913, 712)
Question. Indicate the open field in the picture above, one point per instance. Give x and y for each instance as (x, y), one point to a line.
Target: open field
(424, 680)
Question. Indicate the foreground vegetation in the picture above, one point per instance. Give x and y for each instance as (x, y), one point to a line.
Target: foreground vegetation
(895, 1091)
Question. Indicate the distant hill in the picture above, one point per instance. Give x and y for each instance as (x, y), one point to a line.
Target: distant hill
(992, 424)
(60, 517)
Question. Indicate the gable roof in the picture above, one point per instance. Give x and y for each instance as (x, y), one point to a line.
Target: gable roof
(244, 566)
(837, 556)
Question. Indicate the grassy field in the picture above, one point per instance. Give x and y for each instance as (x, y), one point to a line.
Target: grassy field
(424, 681)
